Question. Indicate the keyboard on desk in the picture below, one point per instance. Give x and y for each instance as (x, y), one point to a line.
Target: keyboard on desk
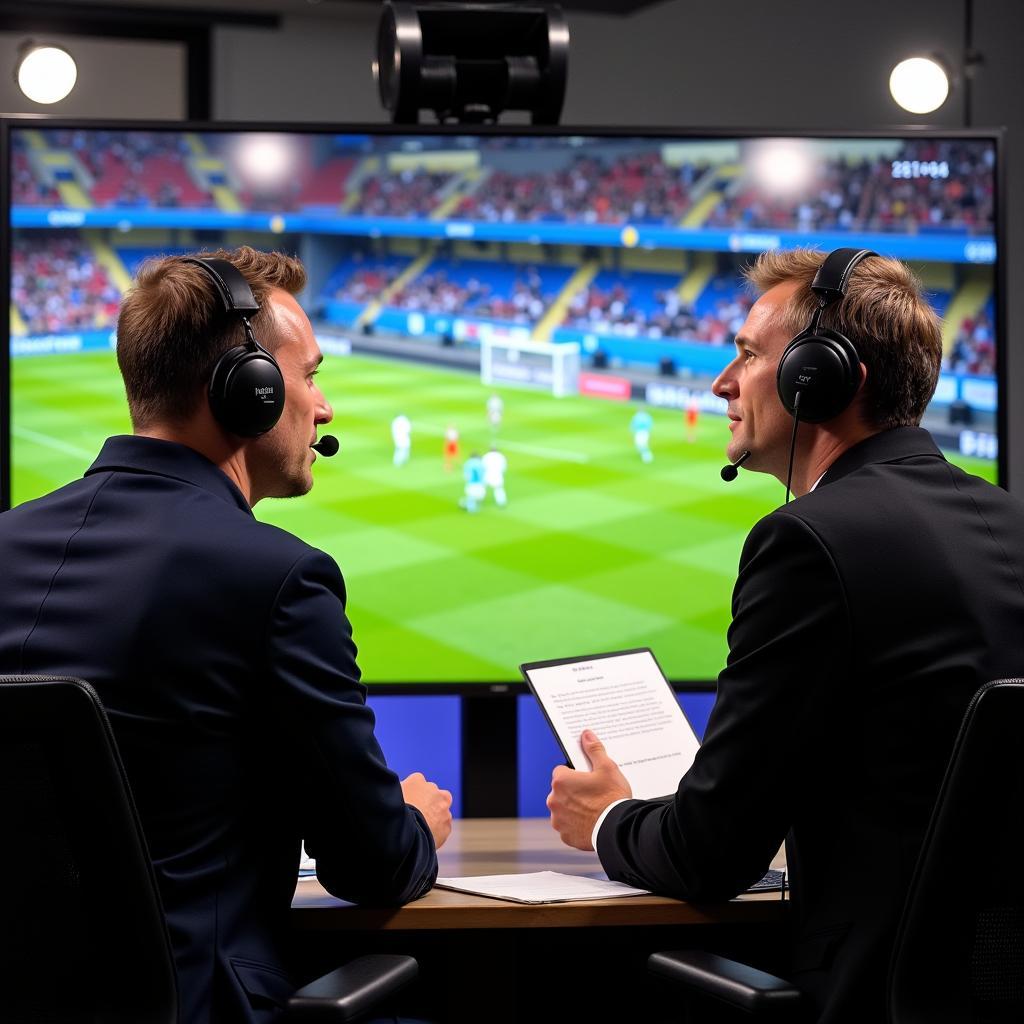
(773, 881)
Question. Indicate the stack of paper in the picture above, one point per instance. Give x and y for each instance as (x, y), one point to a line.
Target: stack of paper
(540, 887)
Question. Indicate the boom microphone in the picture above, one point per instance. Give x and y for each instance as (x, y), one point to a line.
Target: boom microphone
(731, 471)
(326, 446)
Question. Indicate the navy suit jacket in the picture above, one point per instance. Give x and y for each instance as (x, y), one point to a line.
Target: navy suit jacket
(865, 616)
(220, 648)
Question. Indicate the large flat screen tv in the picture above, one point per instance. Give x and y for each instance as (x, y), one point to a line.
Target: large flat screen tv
(545, 296)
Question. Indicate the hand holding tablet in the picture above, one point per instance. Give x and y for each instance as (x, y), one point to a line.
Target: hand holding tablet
(626, 700)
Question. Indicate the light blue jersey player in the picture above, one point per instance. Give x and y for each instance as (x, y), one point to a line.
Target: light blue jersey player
(640, 427)
(476, 489)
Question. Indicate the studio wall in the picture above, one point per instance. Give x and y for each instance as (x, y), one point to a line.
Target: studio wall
(116, 78)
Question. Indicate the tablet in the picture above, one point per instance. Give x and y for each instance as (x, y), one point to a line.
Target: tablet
(625, 698)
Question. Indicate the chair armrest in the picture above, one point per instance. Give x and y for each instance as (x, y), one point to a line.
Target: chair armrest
(351, 990)
(737, 984)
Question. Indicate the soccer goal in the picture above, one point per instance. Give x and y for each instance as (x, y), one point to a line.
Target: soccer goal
(538, 364)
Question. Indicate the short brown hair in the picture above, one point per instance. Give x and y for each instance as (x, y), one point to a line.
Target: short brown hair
(886, 315)
(171, 329)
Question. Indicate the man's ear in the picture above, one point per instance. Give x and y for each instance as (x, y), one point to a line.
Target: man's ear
(859, 397)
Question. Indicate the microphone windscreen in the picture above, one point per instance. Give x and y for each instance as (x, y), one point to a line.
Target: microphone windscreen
(732, 471)
(327, 446)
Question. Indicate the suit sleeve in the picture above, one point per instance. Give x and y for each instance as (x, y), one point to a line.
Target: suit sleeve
(789, 646)
(369, 845)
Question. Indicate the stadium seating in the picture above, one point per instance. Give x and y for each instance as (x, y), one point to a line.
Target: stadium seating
(326, 188)
(362, 280)
(960, 201)
(974, 351)
(478, 288)
(635, 186)
(639, 188)
(404, 194)
(57, 285)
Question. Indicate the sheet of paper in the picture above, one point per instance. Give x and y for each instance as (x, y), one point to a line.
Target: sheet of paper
(540, 887)
(307, 865)
(626, 700)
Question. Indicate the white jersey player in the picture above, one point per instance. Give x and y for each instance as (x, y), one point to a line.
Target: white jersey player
(495, 465)
(401, 434)
(495, 411)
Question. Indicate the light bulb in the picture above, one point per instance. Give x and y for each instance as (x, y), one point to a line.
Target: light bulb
(47, 74)
(919, 84)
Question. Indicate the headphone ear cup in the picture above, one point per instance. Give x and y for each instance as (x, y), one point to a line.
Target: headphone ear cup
(247, 391)
(824, 369)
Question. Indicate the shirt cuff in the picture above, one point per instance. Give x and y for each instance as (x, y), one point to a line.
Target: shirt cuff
(600, 821)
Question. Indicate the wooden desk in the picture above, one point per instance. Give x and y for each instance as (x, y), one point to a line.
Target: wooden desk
(490, 960)
(497, 846)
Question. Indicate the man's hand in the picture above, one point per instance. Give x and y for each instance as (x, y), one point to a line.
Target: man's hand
(433, 803)
(577, 798)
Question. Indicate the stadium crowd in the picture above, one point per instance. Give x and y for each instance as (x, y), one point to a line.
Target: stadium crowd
(927, 184)
(611, 311)
(436, 292)
(26, 188)
(525, 305)
(402, 194)
(367, 283)
(94, 148)
(974, 349)
(933, 185)
(636, 188)
(57, 285)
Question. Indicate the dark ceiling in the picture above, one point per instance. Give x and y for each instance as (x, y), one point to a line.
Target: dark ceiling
(54, 12)
(595, 6)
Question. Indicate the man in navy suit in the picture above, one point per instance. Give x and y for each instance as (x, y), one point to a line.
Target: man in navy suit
(866, 613)
(219, 645)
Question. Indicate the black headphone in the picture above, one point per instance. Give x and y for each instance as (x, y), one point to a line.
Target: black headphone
(246, 388)
(819, 372)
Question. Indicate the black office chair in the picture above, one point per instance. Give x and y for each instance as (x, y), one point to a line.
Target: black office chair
(959, 951)
(82, 932)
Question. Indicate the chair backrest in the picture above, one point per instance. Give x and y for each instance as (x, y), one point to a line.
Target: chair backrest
(82, 932)
(959, 954)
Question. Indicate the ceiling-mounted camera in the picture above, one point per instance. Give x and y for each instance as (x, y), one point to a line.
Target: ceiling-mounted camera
(469, 63)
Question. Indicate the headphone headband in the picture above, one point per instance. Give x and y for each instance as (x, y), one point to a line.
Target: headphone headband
(231, 286)
(833, 276)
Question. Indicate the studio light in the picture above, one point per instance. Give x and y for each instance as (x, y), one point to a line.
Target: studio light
(45, 74)
(919, 84)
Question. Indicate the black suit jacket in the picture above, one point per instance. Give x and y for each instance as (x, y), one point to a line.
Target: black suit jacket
(220, 648)
(865, 615)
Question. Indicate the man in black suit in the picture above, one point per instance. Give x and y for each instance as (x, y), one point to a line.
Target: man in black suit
(219, 645)
(865, 615)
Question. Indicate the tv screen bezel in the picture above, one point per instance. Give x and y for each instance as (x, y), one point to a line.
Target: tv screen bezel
(11, 122)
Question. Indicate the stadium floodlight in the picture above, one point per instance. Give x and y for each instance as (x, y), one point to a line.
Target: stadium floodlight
(44, 73)
(919, 84)
(469, 63)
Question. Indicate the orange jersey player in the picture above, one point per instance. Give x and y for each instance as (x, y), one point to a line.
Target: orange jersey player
(451, 447)
(692, 413)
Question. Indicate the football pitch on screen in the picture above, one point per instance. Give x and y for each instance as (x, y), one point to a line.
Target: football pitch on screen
(595, 550)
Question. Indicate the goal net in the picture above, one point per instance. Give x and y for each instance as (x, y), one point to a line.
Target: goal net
(507, 359)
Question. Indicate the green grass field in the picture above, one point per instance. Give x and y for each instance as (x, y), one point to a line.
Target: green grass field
(595, 551)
